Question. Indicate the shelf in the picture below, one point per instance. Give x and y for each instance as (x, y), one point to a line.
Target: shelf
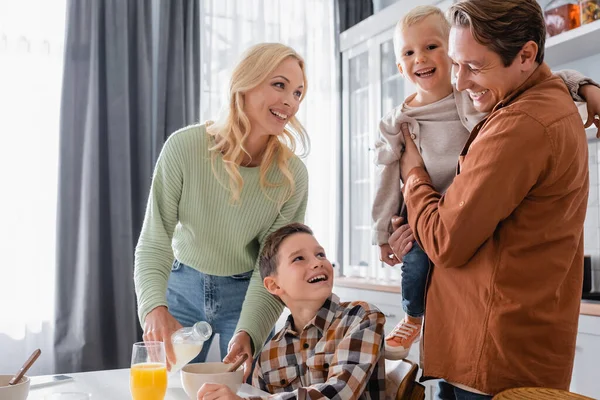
(590, 308)
(368, 284)
(574, 44)
(587, 307)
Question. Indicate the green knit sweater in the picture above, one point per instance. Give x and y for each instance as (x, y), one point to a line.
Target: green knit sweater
(190, 217)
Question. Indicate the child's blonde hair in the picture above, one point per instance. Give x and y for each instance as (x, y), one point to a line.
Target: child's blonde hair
(230, 131)
(414, 16)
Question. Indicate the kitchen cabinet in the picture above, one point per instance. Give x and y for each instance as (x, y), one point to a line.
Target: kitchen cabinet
(586, 369)
(390, 306)
(573, 45)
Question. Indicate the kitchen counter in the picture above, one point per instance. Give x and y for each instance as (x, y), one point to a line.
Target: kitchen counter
(114, 385)
(588, 307)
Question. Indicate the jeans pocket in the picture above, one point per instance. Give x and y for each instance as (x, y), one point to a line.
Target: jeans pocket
(176, 266)
(244, 276)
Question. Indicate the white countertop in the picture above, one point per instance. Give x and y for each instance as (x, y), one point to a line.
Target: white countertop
(114, 385)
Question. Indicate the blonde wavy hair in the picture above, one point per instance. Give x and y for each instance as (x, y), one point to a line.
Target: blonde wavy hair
(414, 16)
(232, 129)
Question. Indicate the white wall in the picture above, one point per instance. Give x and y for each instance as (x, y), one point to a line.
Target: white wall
(589, 67)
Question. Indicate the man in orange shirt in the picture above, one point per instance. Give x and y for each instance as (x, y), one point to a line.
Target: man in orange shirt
(506, 238)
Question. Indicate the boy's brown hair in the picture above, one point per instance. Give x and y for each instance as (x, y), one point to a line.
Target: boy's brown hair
(268, 259)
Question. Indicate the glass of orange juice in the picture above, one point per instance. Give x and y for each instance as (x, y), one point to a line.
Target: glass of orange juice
(148, 378)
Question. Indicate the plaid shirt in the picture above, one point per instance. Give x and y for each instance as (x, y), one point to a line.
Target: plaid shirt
(338, 355)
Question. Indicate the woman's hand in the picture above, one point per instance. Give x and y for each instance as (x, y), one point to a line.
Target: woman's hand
(240, 343)
(212, 391)
(591, 94)
(402, 239)
(159, 325)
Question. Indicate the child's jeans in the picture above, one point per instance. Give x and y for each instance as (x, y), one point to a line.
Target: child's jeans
(415, 268)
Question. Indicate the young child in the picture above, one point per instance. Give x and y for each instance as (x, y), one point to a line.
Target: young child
(327, 348)
(440, 119)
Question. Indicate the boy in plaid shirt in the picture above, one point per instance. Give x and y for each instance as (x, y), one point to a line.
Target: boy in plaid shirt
(327, 349)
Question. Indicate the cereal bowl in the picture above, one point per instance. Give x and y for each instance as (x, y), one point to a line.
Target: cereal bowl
(14, 392)
(193, 376)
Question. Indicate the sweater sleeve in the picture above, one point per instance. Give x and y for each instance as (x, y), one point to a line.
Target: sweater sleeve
(153, 253)
(388, 197)
(574, 80)
(261, 309)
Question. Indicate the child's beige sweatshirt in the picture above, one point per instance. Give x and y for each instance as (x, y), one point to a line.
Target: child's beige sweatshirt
(440, 131)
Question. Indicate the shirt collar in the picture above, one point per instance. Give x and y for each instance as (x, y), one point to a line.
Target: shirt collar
(541, 73)
(322, 320)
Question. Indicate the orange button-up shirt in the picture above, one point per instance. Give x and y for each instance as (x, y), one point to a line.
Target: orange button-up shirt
(506, 240)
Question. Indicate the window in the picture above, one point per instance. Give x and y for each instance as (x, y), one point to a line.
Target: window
(372, 87)
(31, 60)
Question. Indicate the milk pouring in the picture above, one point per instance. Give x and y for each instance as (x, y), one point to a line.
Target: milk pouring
(188, 342)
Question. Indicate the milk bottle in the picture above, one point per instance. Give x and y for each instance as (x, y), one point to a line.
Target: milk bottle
(187, 343)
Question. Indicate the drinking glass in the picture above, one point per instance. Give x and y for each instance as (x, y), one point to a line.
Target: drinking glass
(148, 378)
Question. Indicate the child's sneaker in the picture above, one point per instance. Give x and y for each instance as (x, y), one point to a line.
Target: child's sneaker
(398, 342)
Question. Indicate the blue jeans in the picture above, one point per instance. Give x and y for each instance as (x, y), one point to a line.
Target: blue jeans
(415, 267)
(193, 296)
(447, 391)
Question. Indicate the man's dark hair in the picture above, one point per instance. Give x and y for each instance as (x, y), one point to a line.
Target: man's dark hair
(503, 26)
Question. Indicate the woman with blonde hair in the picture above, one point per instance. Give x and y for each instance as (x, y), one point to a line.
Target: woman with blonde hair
(218, 190)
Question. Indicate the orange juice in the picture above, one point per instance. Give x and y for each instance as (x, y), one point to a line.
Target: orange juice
(148, 381)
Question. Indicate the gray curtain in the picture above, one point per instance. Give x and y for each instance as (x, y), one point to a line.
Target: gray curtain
(177, 66)
(118, 106)
(351, 12)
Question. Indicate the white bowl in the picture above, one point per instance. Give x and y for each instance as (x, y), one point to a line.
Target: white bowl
(14, 392)
(193, 376)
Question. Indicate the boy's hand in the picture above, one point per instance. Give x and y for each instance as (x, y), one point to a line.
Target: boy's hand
(402, 239)
(386, 254)
(212, 391)
(411, 158)
(591, 94)
(239, 344)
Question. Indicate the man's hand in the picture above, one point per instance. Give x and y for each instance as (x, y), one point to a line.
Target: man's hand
(411, 158)
(239, 344)
(591, 94)
(401, 241)
(159, 325)
(386, 254)
(212, 391)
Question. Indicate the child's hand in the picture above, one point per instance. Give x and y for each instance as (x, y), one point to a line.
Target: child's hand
(592, 97)
(216, 391)
(387, 255)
